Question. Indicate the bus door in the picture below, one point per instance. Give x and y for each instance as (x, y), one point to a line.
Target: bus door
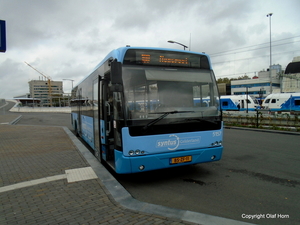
(107, 133)
(96, 119)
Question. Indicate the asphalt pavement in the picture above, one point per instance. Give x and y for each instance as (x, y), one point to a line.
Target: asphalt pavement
(49, 177)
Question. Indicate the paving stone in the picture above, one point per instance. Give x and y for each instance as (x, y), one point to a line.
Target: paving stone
(32, 152)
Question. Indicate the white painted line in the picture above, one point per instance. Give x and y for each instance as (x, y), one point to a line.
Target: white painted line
(86, 173)
(32, 182)
(72, 175)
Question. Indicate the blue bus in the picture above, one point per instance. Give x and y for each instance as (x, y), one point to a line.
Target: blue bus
(146, 108)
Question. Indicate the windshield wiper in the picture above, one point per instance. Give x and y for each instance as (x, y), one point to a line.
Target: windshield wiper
(198, 120)
(164, 114)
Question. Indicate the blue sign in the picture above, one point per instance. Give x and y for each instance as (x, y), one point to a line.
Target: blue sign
(2, 36)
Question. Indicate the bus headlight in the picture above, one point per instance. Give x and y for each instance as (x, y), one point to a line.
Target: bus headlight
(131, 152)
(216, 143)
(137, 152)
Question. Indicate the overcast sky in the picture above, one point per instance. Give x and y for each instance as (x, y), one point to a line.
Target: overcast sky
(66, 39)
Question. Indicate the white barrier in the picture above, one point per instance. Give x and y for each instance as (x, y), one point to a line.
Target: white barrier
(41, 109)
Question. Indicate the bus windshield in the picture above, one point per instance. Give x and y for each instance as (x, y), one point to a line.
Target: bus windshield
(179, 93)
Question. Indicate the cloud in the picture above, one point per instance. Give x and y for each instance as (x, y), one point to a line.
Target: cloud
(12, 76)
(67, 39)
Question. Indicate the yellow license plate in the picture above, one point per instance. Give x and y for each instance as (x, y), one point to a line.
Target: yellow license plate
(181, 159)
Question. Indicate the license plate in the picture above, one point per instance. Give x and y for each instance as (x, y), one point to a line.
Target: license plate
(181, 159)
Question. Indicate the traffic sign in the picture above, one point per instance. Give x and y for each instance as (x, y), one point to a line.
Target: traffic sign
(2, 36)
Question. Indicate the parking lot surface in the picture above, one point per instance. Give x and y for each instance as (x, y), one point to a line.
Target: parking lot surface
(49, 177)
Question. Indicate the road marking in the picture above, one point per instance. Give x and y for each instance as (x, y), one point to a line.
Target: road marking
(72, 175)
(80, 174)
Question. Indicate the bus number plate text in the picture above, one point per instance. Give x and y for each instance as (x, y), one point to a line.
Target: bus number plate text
(181, 159)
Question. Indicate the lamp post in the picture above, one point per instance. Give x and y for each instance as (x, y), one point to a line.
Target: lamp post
(247, 98)
(175, 42)
(269, 15)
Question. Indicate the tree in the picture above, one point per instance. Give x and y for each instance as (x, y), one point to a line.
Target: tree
(245, 77)
(226, 80)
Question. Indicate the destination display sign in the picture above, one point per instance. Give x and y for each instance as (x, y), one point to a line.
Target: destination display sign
(165, 58)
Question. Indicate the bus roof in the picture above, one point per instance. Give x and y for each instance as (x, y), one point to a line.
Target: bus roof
(119, 54)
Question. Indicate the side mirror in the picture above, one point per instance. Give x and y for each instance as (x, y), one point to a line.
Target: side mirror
(116, 72)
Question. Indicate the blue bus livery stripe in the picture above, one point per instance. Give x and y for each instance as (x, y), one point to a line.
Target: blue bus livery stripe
(169, 142)
(126, 164)
(87, 130)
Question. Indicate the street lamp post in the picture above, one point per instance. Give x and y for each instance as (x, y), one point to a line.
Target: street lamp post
(269, 15)
(247, 98)
(175, 42)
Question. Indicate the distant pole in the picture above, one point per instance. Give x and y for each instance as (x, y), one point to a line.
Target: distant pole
(247, 98)
(269, 15)
(190, 41)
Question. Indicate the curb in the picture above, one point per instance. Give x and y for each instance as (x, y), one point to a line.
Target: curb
(263, 130)
(123, 197)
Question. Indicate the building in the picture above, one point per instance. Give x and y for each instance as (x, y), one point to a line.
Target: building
(46, 91)
(224, 89)
(291, 78)
(27, 95)
(259, 86)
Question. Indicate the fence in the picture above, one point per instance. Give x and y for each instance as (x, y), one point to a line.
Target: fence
(260, 119)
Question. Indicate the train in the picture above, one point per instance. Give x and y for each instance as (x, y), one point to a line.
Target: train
(238, 103)
(282, 102)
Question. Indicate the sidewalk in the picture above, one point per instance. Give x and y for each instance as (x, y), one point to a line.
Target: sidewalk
(48, 177)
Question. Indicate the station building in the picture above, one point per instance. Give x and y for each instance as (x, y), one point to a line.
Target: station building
(258, 85)
(291, 77)
(278, 81)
